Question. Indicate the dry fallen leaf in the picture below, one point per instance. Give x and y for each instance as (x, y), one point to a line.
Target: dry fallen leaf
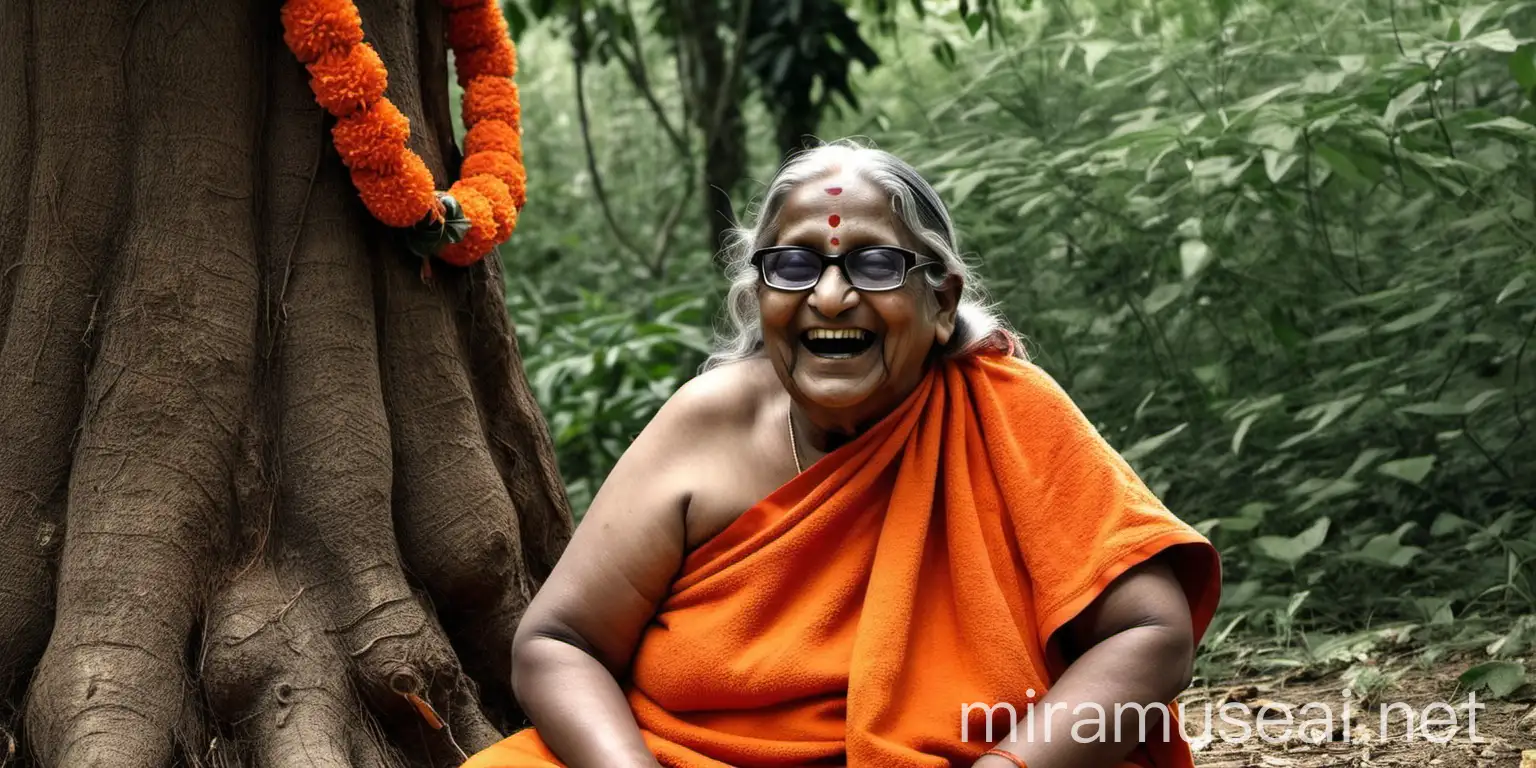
(1528, 758)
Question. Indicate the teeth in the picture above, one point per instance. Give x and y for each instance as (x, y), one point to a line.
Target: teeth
(835, 333)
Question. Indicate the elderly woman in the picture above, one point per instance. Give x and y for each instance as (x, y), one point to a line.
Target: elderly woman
(868, 534)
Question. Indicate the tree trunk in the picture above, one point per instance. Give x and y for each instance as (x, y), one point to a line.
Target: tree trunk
(715, 97)
(267, 498)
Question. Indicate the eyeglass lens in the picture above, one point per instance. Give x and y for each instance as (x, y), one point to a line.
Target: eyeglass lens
(869, 269)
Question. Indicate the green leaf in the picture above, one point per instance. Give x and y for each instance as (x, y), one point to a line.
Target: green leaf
(1290, 550)
(1254, 102)
(1387, 549)
(1499, 678)
(1522, 66)
(1147, 446)
(1161, 297)
(962, 187)
(1480, 399)
(1242, 431)
(1341, 334)
(1276, 163)
(974, 22)
(1322, 82)
(1470, 18)
(1401, 102)
(1511, 288)
(1432, 409)
(1277, 136)
(1411, 471)
(1508, 125)
(1325, 413)
(1417, 317)
(1499, 40)
(1443, 408)
(1094, 52)
(1194, 255)
(1447, 523)
(1340, 163)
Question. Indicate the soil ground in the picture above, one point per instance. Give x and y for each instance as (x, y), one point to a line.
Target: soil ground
(1505, 730)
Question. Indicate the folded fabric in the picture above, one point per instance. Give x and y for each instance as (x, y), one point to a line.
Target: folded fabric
(860, 614)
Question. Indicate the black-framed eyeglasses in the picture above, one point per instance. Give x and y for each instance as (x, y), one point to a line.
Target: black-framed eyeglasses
(871, 268)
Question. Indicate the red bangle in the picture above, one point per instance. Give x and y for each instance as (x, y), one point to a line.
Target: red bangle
(1009, 756)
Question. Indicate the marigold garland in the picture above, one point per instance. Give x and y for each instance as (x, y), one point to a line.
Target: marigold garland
(482, 230)
(371, 135)
(494, 135)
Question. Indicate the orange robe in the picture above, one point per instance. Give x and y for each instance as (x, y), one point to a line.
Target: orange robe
(850, 617)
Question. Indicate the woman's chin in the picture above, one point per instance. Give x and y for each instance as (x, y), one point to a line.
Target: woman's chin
(835, 394)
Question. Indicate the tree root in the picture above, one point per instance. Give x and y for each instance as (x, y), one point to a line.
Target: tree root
(49, 272)
(268, 499)
(169, 382)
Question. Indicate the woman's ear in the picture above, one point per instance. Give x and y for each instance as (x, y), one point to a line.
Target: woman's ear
(948, 296)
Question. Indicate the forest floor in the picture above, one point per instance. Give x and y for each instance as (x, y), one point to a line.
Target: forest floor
(1503, 733)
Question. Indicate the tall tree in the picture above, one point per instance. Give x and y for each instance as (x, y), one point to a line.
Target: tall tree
(267, 498)
(801, 58)
(796, 56)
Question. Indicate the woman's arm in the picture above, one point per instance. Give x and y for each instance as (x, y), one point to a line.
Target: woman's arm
(579, 635)
(1138, 649)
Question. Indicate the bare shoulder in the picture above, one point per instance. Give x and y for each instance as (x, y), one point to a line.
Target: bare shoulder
(726, 400)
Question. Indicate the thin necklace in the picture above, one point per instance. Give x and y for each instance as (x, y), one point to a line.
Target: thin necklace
(793, 447)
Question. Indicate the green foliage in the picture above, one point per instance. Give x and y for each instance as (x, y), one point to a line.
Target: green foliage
(602, 366)
(1498, 678)
(1306, 231)
(1282, 253)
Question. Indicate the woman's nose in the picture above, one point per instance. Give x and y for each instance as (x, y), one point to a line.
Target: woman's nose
(833, 295)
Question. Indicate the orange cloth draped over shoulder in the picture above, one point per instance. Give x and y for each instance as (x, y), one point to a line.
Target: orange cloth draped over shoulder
(850, 617)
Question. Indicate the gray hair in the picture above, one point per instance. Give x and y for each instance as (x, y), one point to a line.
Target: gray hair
(917, 206)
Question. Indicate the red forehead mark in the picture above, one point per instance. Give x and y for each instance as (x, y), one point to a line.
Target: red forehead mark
(834, 220)
(836, 242)
(834, 191)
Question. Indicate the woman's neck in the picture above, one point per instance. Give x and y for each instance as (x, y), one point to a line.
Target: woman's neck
(825, 433)
(825, 430)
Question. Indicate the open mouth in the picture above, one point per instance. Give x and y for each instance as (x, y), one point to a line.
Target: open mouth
(837, 343)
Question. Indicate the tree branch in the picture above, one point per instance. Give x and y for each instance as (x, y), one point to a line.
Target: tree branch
(669, 227)
(732, 71)
(586, 141)
(635, 69)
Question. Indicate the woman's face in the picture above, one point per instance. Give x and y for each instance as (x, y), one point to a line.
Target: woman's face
(844, 384)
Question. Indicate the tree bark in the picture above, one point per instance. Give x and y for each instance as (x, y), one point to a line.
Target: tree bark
(267, 498)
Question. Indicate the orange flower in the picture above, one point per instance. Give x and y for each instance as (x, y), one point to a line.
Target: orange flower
(494, 135)
(502, 208)
(346, 82)
(492, 98)
(349, 80)
(478, 26)
(492, 61)
(313, 28)
(499, 164)
(400, 197)
(518, 186)
(372, 138)
(481, 237)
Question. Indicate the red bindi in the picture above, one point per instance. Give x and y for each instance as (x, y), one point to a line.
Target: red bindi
(836, 242)
(834, 220)
(834, 191)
